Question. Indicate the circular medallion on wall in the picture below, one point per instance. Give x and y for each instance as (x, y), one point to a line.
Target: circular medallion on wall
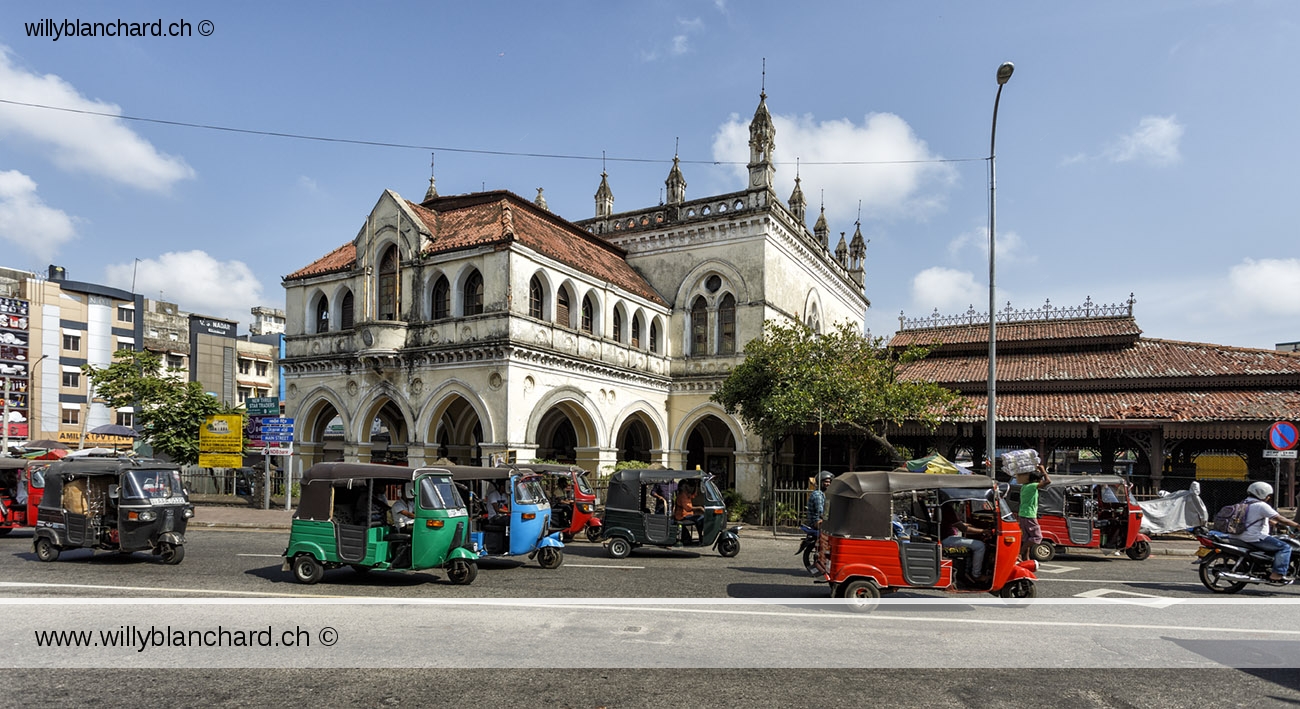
(352, 388)
(293, 391)
(466, 334)
(315, 347)
(417, 386)
(367, 337)
(494, 381)
(529, 383)
(541, 336)
(434, 337)
(568, 342)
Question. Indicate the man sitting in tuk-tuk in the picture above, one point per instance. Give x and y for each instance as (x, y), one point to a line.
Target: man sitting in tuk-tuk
(685, 511)
(562, 503)
(956, 532)
(498, 505)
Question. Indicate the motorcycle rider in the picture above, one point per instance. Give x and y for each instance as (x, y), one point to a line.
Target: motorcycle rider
(1258, 515)
(817, 500)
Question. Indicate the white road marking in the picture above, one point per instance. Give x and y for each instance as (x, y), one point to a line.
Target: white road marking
(1056, 568)
(21, 584)
(1099, 592)
(1126, 581)
(270, 556)
(604, 566)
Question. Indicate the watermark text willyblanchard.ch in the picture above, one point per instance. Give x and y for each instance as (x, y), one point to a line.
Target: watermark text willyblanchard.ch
(60, 29)
(141, 638)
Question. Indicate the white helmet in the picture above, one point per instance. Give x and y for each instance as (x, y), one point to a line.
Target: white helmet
(1259, 490)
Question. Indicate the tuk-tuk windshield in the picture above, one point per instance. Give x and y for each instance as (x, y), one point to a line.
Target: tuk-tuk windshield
(711, 491)
(439, 494)
(583, 485)
(528, 491)
(153, 484)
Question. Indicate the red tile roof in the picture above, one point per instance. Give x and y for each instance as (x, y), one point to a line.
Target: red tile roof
(500, 217)
(1263, 405)
(1060, 332)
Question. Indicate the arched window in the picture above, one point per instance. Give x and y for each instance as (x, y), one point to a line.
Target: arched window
(654, 337)
(388, 284)
(618, 326)
(588, 314)
(474, 294)
(535, 296)
(562, 316)
(699, 328)
(441, 299)
(727, 325)
(323, 315)
(636, 332)
(346, 316)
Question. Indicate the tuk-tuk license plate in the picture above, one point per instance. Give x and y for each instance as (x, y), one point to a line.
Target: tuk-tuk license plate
(1204, 551)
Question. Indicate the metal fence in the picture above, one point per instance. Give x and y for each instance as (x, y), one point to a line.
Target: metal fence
(790, 510)
(231, 482)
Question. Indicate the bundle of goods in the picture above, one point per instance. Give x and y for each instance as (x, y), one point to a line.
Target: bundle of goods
(1017, 462)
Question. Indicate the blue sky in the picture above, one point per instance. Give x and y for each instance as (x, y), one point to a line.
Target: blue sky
(1146, 148)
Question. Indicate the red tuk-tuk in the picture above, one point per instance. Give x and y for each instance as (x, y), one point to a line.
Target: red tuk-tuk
(573, 501)
(1087, 512)
(22, 484)
(882, 533)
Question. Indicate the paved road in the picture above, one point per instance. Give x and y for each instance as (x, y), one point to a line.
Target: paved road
(732, 641)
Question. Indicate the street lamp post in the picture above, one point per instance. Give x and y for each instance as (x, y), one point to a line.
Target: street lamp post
(991, 452)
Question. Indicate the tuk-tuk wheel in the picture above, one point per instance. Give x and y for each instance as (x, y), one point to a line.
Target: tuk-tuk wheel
(1042, 552)
(566, 537)
(45, 549)
(462, 572)
(619, 548)
(728, 546)
(1023, 588)
(1139, 551)
(171, 554)
(593, 534)
(862, 595)
(307, 570)
(549, 558)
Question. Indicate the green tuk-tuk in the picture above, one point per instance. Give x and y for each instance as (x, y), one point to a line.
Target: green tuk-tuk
(344, 518)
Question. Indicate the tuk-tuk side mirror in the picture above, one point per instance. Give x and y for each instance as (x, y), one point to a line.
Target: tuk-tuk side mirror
(408, 491)
(114, 491)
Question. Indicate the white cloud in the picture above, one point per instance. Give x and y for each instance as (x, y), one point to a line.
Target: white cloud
(195, 281)
(1266, 286)
(1010, 247)
(1154, 141)
(680, 45)
(949, 290)
(97, 145)
(907, 186)
(26, 222)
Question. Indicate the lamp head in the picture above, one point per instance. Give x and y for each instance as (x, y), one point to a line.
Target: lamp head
(1004, 72)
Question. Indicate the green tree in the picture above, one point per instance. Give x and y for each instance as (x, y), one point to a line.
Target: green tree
(794, 378)
(168, 409)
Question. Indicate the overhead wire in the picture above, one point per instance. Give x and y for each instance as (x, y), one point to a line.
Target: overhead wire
(445, 149)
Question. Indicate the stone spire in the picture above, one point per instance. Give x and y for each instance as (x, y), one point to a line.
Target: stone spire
(798, 205)
(433, 190)
(676, 184)
(604, 196)
(857, 249)
(762, 145)
(842, 252)
(540, 200)
(821, 230)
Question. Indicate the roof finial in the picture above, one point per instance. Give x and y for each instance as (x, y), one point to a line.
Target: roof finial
(859, 221)
(433, 190)
(602, 162)
(677, 144)
(762, 87)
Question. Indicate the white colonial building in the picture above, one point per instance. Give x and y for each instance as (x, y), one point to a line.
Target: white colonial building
(472, 325)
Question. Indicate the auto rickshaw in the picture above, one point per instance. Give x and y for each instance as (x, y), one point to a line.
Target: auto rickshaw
(525, 526)
(343, 519)
(628, 523)
(118, 504)
(577, 515)
(881, 533)
(22, 483)
(1087, 512)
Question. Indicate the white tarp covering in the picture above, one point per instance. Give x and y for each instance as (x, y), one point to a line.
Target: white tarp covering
(1175, 512)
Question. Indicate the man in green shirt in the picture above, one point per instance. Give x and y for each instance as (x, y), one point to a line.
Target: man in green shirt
(1030, 532)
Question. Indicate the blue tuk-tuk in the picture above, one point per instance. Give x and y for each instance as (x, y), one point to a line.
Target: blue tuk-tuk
(509, 514)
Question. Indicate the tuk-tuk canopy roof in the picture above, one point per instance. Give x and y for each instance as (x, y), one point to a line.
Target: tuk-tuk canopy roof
(106, 466)
(546, 468)
(357, 471)
(861, 504)
(1070, 480)
(13, 463)
(1051, 499)
(625, 485)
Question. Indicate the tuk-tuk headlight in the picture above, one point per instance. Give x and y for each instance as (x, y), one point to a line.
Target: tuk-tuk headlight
(148, 515)
(585, 508)
(189, 512)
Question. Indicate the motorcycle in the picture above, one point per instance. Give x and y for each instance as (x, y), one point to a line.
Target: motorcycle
(1227, 565)
(808, 548)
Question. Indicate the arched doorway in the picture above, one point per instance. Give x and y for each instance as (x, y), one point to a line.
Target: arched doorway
(457, 432)
(711, 446)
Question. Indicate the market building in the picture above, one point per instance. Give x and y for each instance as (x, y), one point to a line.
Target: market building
(468, 326)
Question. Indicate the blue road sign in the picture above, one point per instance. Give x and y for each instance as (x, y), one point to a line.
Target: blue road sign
(277, 438)
(277, 429)
(1282, 436)
(276, 421)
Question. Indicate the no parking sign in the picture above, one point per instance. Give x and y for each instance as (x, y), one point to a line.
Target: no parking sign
(1282, 436)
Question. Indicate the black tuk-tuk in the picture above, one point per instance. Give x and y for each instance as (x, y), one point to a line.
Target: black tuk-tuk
(119, 504)
(628, 524)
